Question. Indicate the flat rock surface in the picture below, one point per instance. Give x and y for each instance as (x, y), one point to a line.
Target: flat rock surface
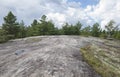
(45, 56)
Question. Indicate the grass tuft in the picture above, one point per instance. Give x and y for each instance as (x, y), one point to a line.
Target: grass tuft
(100, 61)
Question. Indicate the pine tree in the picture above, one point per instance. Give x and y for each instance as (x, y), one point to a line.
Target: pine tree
(86, 31)
(35, 28)
(10, 25)
(3, 37)
(95, 30)
(22, 30)
(110, 27)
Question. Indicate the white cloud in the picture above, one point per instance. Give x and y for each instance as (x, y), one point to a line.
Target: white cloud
(61, 11)
(58, 18)
(105, 11)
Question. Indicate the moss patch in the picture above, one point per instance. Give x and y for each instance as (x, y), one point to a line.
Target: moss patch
(104, 61)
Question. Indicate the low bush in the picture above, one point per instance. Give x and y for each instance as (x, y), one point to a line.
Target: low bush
(3, 39)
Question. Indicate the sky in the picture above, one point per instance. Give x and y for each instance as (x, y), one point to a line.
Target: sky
(84, 3)
(87, 12)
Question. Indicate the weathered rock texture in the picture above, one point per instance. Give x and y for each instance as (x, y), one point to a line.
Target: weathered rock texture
(45, 56)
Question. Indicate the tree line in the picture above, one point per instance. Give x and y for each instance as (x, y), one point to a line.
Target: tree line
(11, 29)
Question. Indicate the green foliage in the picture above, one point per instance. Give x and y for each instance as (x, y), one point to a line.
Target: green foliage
(51, 28)
(22, 30)
(43, 18)
(110, 27)
(113, 30)
(72, 29)
(95, 30)
(35, 22)
(43, 27)
(117, 34)
(10, 25)
(34, 28)
(46, 27)
(90, 56)
(103, 34)
(78, 27)
(14, 29)
(60, 31)
(66, 29)
(3, 37)
(2, 32)
(29, 31)
(86, 31)
(10, 37)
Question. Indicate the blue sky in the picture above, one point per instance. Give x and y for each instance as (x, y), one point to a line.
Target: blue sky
(85, 3)
(61, 11)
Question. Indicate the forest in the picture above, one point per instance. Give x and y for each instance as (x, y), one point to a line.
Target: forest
(11, 29)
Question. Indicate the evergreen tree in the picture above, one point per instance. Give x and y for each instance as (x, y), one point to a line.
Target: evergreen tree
(110, 27)
(72, 29)
(78, 26)
(95, 30)
(51, 28)
(35, 22)
(66, 29)
(103, 34)
(3, 36)
(10, 25)
(35, 28)
(29, 31)
(46, 27)
(22, 30)
(86, 31)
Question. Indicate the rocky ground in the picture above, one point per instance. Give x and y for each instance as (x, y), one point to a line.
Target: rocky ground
(103, 56)
(45, 56)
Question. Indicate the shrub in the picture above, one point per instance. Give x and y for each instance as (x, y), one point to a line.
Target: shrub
(10, 37)
(3, 39)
